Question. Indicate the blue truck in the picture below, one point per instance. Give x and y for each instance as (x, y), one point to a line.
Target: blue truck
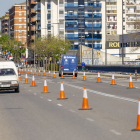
(68, 63)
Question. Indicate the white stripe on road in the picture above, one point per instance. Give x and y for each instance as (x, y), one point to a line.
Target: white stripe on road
(115, 132)
(104, 94)
(49, 100)
(59, 104)
(72, 111)
(29, 90)
(90, 119)
(35, 94)
(41, 97)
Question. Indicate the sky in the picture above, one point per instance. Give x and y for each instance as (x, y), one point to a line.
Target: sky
(5, 5)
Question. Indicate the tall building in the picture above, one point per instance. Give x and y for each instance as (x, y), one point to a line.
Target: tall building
(73, 19)
(17, 17)
(5, 24)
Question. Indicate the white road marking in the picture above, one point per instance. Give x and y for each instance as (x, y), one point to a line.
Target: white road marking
(115, 132)
(72, 111)
(29, 90)
(90, 119)
(59, 104)
(49, 100)
(35, 94)
(41, 97)
(104, 94)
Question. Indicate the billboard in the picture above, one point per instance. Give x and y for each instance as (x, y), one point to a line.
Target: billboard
(112, 44)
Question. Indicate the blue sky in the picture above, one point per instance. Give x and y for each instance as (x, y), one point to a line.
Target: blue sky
(5, 5)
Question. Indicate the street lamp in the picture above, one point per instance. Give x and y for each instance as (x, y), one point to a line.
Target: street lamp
(81, 31)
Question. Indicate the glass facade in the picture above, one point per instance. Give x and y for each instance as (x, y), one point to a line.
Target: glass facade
(80, 20)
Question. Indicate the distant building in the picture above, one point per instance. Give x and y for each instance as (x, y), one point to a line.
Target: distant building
(17, 17)
(5, 24)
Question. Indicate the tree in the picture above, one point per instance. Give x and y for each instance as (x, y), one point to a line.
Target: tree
(8, 46)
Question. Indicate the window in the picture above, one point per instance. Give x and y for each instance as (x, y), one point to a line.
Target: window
(20, 13)
(24, 7)
(24, 26)
(25, 20)
(20, 32)
(20, 26)
(20, 38)
(24, 13)
(25, 32)
(20, 7)
(20, 19)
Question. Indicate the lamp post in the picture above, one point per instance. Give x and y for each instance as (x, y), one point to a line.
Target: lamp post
(81, 31)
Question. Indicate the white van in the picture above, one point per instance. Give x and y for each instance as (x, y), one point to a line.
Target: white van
(8, 76)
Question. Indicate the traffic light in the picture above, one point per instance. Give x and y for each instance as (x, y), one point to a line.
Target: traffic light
(15, 47)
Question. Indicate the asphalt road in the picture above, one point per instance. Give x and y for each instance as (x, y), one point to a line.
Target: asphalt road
(32, 115)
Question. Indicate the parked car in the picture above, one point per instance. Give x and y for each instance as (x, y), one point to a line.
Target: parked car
(68, 63)
(8, 76)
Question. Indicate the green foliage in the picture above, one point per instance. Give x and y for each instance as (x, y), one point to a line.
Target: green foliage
(51, 46)
(8, 46)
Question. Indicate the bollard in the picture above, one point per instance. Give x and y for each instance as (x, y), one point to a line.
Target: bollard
(136, 75)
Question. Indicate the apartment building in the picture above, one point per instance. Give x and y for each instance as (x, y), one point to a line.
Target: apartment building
(5, 24)
(73, 19)
(17, 17)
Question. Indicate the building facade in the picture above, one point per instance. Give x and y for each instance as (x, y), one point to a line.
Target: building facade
(17, 17)
(80, 21)
(5, 24)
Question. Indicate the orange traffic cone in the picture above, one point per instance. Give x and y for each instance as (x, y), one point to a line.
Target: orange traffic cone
(39, 73)
(113, 79)
(62, 75)
(98, 79)
(31, 72)
(26, 79)
(44, 73)
(45, 86)
(130, 83)
(22, 70)
(25, 71)
(35, 72)
(84, 76)
(85, 105)
(54, 75)
(138, 118)
(19, 71)
(28, 71)
(19, 77)
(33, 81)
(62, 94)
(73, 77)
(49, 74)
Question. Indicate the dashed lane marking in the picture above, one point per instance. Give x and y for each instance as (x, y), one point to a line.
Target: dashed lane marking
(35, 94)
(29, 90)
(49, 100)
(41, 97)
(104, 94)
(115, 132)
(90, 119)
(59, 104)
(72, 111)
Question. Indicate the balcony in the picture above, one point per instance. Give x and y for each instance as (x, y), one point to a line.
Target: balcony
(95, 15)
(95, 26)
(71, 36)
(71, 5)
(32, 37)
(37, 7)
(32, 10)
(111, 20)
(111, 3)
(71, 26)
(71, 16)
(32, 28)
(130, 12)
(38, 27)
(33, 2)
(33, 19)
(112, 27)
(95, 36)
(111, 11)
(93, 5)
